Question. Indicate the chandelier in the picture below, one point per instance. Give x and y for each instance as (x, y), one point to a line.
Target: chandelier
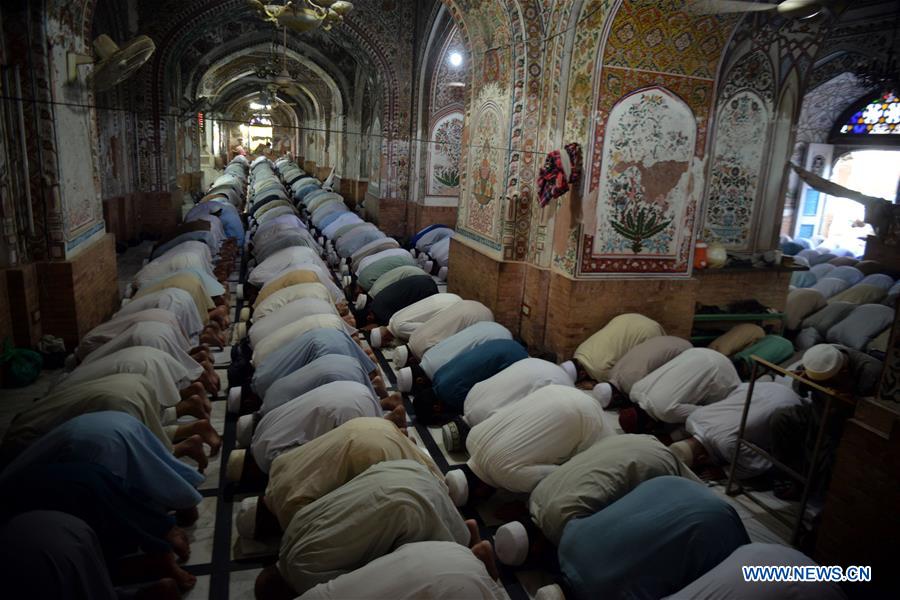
(304, 15)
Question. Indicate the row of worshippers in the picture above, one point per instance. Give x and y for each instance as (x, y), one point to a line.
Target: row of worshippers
(317, 415)
(94, 491)
(302, 488)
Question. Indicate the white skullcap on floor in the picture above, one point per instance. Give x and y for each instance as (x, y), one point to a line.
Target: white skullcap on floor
(246, 518)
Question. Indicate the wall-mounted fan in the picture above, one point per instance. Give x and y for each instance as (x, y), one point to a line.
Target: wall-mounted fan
(792, 9)
(113, 64)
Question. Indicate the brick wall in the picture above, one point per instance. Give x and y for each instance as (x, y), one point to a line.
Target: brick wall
(495, 284)
(24, 300)
(577, 309)
(310, 167)
(160, 212)
(353, 191)
(719, 287)
(432, 215)
(79, 294)
(389, 214)
(563, 312)
(322, 172)
(860, 522)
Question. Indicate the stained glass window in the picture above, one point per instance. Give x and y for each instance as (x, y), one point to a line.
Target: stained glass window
(879, 117)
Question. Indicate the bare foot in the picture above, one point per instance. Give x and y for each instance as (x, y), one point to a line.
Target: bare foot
(380, 388)
(164, 589)
(397, 417)
(205, 431)
(195, 406)
(474, 536)
(392, 401)
(195, 389)
(485, 553)
(192, 447)
(179, 540)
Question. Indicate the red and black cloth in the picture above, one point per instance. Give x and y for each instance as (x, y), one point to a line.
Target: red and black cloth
(561, 170)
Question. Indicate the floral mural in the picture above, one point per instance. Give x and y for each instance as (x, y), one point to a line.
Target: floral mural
(444, 158)
(737, 162)
(647, 153)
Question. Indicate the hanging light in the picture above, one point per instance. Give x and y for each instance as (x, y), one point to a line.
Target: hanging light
(304, 15)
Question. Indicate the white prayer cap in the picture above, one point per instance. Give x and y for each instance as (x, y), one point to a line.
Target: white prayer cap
(683, 451)
(550, 592)
(347, 280)
(442, 274)
(375, 337)
(240, 291)
(458, 486)
(361, 301)
(603, 393)
(822, 362)
(345, 270)
(244, 315)
(405, 379)
(401, 356)
(241, 330)
(569, 367)
(428, 266)
(511, 544)
(244, 431)
(235, 467)
(246, 518)
(414, 252)
(234, 400)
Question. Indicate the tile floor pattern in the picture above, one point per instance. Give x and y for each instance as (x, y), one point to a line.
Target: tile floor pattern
(226, 566)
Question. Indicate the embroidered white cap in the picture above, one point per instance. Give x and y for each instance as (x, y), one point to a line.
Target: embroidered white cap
(511, 544)
(375, 337)
(458, 487)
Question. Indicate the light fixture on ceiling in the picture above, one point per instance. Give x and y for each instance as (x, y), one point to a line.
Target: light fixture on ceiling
(304, 15)
(258, 106)
(456, 59)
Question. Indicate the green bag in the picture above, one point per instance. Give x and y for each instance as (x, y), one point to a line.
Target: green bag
(19, 367)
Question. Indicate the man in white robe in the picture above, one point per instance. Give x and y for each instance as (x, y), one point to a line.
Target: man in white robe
(175, 300)
(407, 320)
(524, 442)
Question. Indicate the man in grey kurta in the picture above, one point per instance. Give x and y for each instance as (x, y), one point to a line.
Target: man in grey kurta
(390, 504)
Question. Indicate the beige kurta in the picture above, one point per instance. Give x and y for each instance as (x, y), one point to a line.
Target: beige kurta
(287, 295)
(390, 504)
(600, 352)
(116, 326)
(406, 320)
(128, 393)
(446, 323)
(305, 474)
(188, 282)
(597, 477)
(288, 279)
(645, 358)
(524, 442)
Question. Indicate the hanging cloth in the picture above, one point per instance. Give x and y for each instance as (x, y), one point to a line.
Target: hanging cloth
(561, 169)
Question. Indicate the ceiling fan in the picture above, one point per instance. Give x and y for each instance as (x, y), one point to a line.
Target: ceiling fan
(113, 64)
(791, 9)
